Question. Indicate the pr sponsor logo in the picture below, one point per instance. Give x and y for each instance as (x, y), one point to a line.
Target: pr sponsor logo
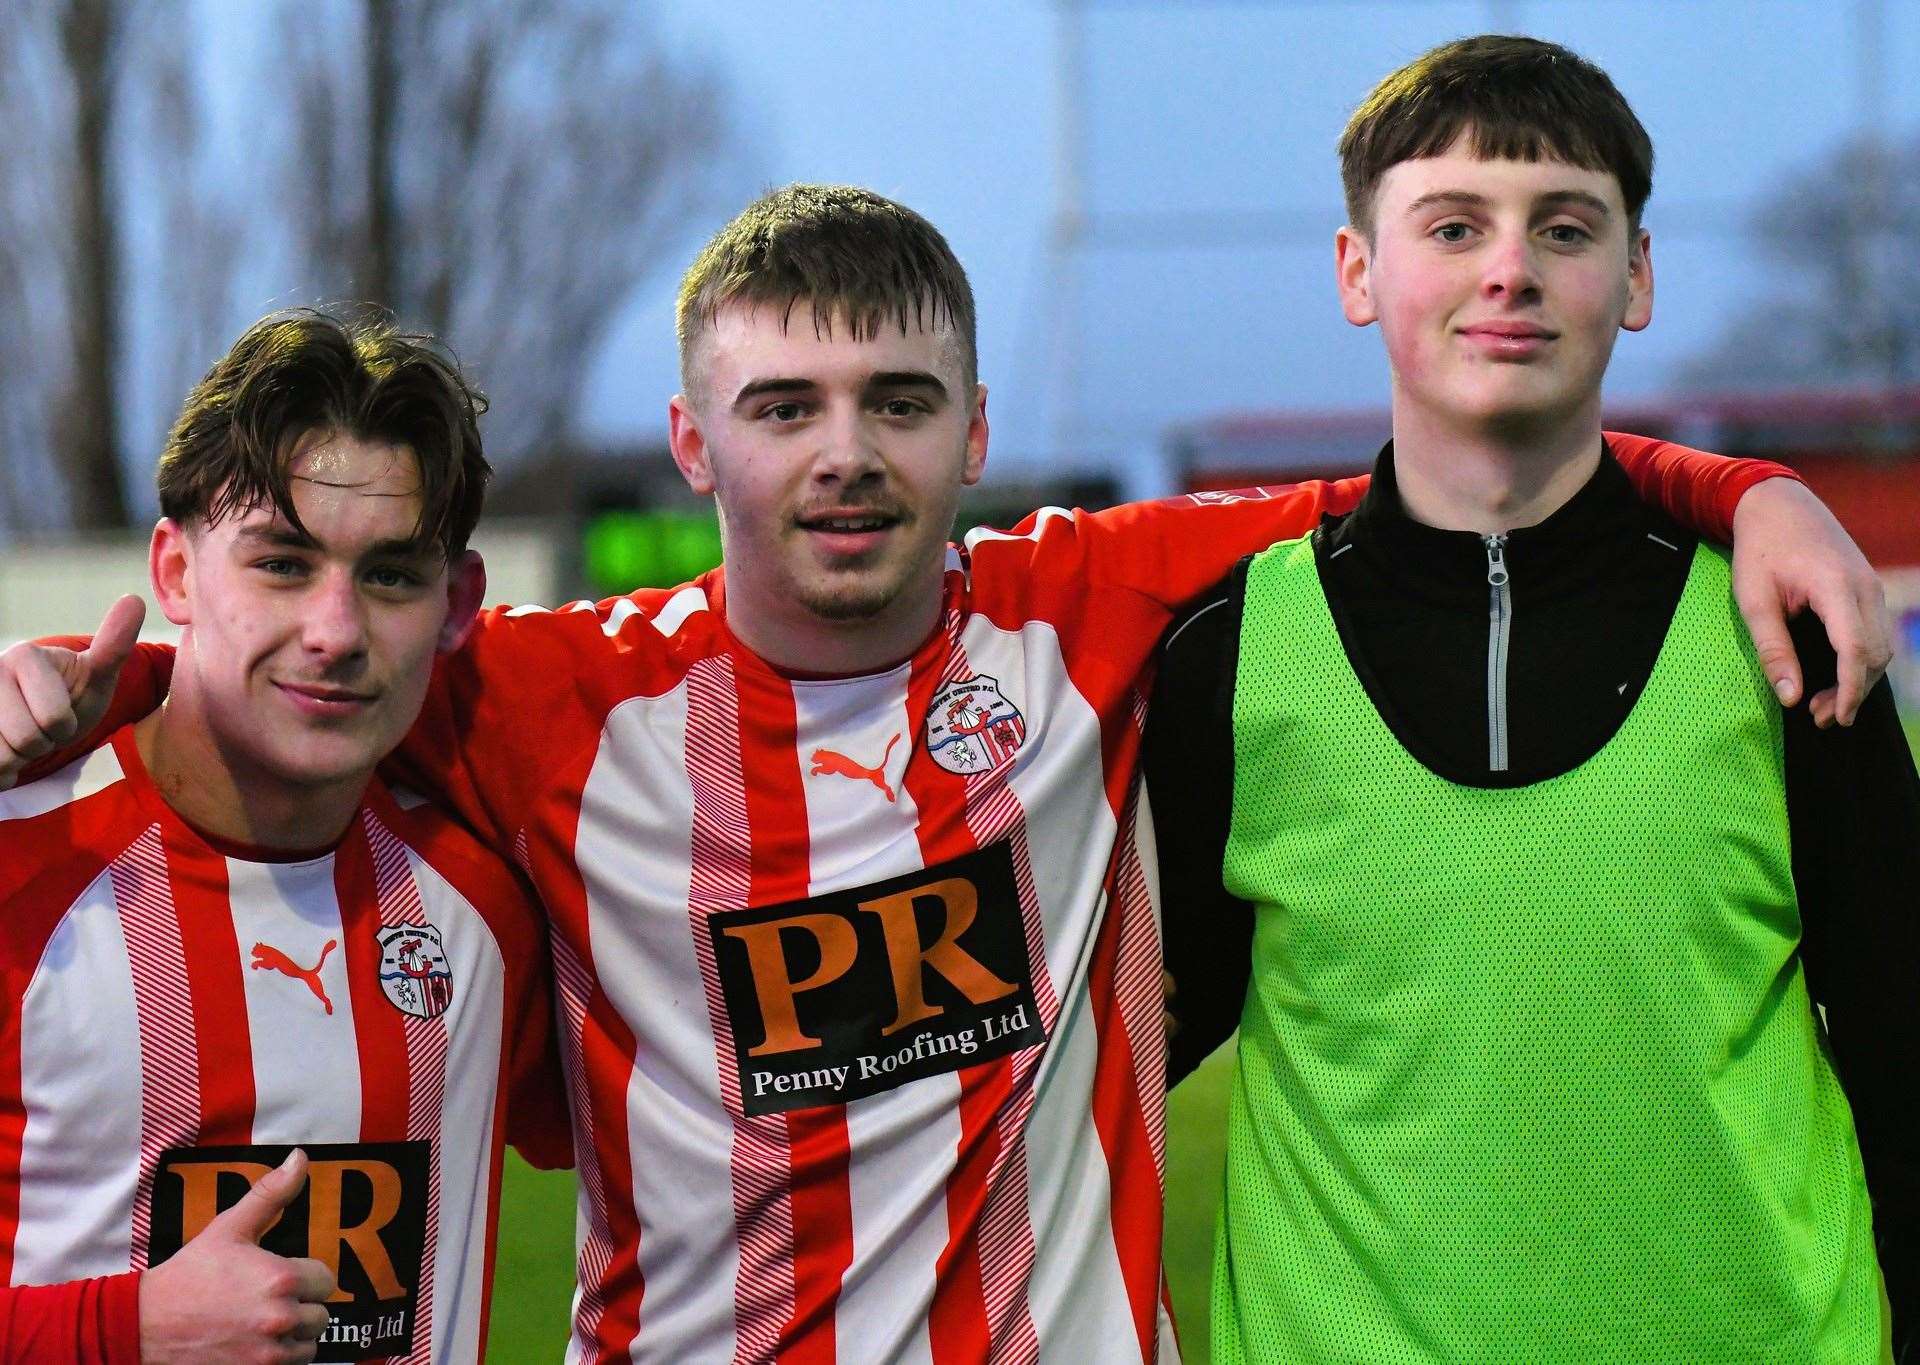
(858, 991)
(363, 1212)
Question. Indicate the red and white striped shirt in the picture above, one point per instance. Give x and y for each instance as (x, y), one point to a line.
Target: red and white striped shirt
(174, 1016)
(859, 977)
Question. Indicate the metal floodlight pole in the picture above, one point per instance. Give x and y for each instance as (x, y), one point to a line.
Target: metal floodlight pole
(1068, 229)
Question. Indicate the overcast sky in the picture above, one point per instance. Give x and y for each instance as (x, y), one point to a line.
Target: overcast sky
(1207, 171)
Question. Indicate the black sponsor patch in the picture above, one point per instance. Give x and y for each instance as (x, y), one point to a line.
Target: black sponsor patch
(858, 991)
(363, 1211)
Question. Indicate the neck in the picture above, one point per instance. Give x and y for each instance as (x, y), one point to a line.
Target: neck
(220, 793)
(793, 639)
(1492, 477)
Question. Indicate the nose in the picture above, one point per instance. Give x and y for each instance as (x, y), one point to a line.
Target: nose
(1510, 269)
(333, 625)
(848, 453)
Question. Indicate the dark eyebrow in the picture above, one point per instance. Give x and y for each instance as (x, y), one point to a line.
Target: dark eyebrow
(1553, 199)
(906, 379)
(1577, 199)
(403, 549)
(1455, 198)
(758, 387)
(279, 537)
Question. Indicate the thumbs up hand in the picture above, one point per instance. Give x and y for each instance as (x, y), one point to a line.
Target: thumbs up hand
(221, 1297)
(49, 694)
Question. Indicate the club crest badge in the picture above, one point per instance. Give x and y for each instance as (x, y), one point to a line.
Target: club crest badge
(972, 727)
(414, 971)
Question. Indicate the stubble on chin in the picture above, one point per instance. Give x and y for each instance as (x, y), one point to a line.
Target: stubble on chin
(865, 589)
(858, 600)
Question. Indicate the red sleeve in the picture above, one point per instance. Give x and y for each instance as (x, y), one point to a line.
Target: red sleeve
(1168, 551)
(1172, 550)
(539, 1122)
(1696, 489)
(92, 1321)
(142, 687)
(521, 700)
(500, 714)
(539, 1119)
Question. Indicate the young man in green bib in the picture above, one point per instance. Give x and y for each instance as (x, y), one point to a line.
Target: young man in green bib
(1541, 886)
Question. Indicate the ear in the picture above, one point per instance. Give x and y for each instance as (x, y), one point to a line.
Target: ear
(466, 590)
(976, 462)
(689, 445)
(1352, 266)
(1639, 283)
(169, 568)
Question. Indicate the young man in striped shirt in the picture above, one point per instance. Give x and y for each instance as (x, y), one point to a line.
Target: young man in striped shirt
(853, 918)
(225, 939)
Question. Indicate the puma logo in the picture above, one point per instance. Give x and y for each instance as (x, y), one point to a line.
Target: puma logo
(839, 765)
(269, 958)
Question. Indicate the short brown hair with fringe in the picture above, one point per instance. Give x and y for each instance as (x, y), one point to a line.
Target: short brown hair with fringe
(307, 370)
(849, 253)
(1515, 99)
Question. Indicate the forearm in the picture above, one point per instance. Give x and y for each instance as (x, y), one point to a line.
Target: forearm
(80, 1320)
(1697, 489)
(142, 686)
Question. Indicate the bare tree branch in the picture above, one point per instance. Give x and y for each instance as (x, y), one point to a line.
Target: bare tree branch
(504, 172)
(197, 234)
(524, 166)
(1844, 236)
(35, 108)
(94, 95)
(88, 424)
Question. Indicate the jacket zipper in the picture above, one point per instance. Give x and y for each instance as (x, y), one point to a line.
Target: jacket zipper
(1499, 632)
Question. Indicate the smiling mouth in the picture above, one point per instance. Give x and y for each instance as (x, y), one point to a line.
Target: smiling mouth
(326, 700)
(1508, 331)
(1516, 342)
(848, 523)
(847, 535)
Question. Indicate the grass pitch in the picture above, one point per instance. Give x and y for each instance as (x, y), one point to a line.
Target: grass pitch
(533, 1266)
(533, 1275)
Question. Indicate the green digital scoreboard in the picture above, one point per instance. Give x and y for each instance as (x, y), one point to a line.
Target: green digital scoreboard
(623, 548)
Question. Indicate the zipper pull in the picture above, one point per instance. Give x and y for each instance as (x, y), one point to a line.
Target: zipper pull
(1496, 559)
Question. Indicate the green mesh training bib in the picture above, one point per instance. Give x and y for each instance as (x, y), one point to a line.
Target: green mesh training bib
(1528, 1074)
